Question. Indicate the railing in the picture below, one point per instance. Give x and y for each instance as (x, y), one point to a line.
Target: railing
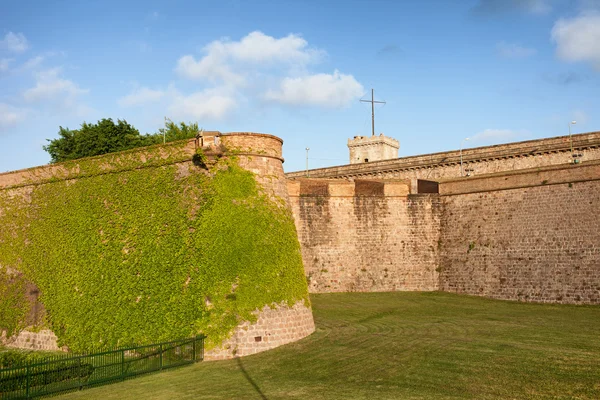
(62, 374)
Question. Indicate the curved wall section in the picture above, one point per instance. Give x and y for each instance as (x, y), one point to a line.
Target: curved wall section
(284, 318)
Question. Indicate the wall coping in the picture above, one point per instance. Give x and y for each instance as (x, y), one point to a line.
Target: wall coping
(524, 178)
(500, 151)
(265, 135)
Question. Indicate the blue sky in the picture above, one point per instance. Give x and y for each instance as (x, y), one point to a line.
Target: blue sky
(491, 70)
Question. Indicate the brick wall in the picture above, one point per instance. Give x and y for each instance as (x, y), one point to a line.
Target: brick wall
(274, 327)
(366, 235)
(529, 235)
(44, 339)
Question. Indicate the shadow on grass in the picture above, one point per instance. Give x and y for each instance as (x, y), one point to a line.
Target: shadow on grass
(250, 380)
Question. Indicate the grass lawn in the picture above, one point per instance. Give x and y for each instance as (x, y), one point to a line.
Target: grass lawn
(403, 346)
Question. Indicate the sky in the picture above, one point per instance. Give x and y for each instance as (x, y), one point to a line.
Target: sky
(493, 71)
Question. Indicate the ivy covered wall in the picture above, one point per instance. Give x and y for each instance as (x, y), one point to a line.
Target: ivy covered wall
(142, 255)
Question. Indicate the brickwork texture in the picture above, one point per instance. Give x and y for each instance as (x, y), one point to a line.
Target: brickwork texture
(366, 236)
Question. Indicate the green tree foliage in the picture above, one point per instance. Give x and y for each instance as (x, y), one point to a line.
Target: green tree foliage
(107, 137)
(94, 139)
(172, 131)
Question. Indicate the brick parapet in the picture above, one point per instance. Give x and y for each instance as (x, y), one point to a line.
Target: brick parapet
(347, 188)
(485, 159)
(548, 175)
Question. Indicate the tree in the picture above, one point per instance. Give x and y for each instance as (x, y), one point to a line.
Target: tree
(107, 137)
(95, 139)
(172, 131)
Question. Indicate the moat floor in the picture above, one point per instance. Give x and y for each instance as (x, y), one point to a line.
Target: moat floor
(404, 346)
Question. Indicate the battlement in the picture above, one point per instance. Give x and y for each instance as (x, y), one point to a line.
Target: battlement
(347, 188)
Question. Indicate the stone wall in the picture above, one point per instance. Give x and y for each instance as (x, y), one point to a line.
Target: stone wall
(274, 327)
(44, 339)
(258, 153)
(529, 235)
(479, 160)
(366, 235)
(372, 148)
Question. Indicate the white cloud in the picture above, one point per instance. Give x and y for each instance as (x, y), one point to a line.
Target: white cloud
(259, 66)
(498, 135)
(257, 47)
(254, 50)
(210, 67)
(578, 38)
(512, 50)
(16, 42)
(4, 64)
(33, 62)
(53, 89)
(206, 104)
(139, 96)
(328, 90)
(10, 116)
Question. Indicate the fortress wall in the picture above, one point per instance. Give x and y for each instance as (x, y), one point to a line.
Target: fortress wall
(274, 327)
(261, 154)
(528, 235)
(258, 153)
(481, 160)
(366, 235)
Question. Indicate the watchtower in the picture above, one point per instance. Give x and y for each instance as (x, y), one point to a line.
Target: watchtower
(365, 149)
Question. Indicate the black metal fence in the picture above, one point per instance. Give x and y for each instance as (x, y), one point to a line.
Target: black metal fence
(62, 374)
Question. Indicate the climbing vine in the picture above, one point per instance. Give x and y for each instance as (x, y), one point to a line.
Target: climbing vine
(152, 254)
(14, 306)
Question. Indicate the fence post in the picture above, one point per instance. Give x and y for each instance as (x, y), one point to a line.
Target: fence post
(161, 358)
(28, 381)
(123, 365)
(202, 347)
(194, 349)
(79, 373)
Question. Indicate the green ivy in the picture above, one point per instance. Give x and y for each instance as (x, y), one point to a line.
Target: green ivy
(14, 306)
(153, 254)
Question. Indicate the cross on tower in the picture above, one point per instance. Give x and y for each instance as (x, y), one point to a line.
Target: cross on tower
(372, 101)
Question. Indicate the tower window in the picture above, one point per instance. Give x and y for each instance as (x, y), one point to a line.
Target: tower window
(366, 160)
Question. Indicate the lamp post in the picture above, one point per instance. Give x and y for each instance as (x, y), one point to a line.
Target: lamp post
(570, 138)
(461, 159)
(307, 149)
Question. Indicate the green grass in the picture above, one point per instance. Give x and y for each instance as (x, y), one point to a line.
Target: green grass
(404, 346)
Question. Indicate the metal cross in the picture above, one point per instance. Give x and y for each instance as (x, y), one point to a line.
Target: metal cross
(372, 101)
